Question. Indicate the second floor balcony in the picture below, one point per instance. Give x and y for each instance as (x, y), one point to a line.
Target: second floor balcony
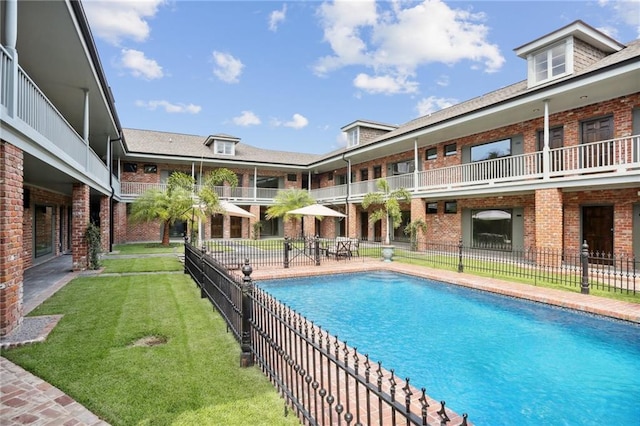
(585, 165)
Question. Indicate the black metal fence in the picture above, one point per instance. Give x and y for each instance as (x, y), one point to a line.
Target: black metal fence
(322, 379)
(584, 268)
(288, 252)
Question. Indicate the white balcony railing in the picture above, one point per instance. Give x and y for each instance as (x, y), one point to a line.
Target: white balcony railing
(35, 110)
(617, 156)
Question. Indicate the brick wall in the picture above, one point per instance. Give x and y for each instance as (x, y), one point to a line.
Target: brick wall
(548, 219)
(81, 209)
(622, 201)
(105, 220)
(11, 268)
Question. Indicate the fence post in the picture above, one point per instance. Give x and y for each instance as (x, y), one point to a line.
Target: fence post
(584, 257)
(460, 265)
(246, 357)
(286, 252)
(316, 249)
(202, 274)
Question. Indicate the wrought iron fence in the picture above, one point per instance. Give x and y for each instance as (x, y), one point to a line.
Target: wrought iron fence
(322, 379)
(288, 252)
(584, 268)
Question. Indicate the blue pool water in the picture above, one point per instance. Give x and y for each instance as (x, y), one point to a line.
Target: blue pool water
(502, 360)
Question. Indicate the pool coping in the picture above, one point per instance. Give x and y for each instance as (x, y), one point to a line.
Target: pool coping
(617, 309)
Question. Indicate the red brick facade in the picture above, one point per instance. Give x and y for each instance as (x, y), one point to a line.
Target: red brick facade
(11, 268)
(79, 225)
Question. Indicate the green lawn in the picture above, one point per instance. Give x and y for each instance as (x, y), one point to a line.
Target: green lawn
(193, 378)
(142, 264)
(146, 248)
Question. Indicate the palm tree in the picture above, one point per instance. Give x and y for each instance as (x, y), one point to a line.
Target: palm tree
(385, 205)
(287, 200)
(177, 202)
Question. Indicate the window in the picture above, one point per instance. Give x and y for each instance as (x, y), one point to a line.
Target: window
(292, 177)
(364, 174)
(402, 167)
(432, 208)
(150, 168)
(130, 167)
(353, 137)
(556, 138)
(431, 154)
(451, 207)
(377, 172)
(224, 147)
(450, 149)
(491, 150)
(491, 229)
(550, 63)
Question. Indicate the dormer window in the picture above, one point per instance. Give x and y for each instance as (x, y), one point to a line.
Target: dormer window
(353, 137)
(222, 144)
(551, 63)
(224, 147)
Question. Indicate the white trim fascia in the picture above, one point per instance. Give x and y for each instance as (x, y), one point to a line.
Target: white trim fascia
(367, 124)
(578, 30)
(539, 95)
(87, 56)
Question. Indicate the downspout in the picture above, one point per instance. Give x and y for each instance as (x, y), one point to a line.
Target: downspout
(346, 199)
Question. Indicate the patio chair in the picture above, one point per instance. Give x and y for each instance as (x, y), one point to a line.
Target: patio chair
(341, 248)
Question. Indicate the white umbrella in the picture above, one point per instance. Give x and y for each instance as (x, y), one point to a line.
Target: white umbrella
(492, 215)
(317, 210)
(233, 210)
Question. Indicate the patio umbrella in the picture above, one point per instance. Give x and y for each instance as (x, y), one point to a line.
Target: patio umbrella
(492, 215)
(233, 210)
(317, 210)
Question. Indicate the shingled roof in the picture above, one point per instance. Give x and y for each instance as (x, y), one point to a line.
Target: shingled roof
(153, 142)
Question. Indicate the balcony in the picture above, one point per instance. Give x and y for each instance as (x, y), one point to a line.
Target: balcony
(25, 107)
(618, 158)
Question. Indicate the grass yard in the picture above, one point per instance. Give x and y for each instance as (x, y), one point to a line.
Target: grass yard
(142, 264)
(146, 350)
(146, 248)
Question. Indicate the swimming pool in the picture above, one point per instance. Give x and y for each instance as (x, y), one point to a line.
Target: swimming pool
(502, 360)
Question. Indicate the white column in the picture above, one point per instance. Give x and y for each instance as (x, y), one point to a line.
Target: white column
(255, 183)
(11, 36)
(546, 153)
(415, 164)
(85, 122)
(85, 127)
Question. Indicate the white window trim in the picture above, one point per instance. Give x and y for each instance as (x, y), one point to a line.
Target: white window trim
(568, 58)
(222, 147)
(353, 137)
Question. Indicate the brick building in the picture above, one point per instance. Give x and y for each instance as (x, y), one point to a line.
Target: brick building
(547, 162)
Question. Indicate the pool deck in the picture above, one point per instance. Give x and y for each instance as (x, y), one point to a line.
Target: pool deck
(26, 399)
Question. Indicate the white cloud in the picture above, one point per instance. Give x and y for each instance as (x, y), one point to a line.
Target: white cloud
(432, 104)
(276, 17)
(169, 107)
(626, 12)
(228, 68)
(140, 66)
(115, 21)
(443, 81)
(386, 84)
(247, 118)
(298, 121)
(395, 41)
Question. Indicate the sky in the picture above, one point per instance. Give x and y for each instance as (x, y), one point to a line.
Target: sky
(289, 75)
